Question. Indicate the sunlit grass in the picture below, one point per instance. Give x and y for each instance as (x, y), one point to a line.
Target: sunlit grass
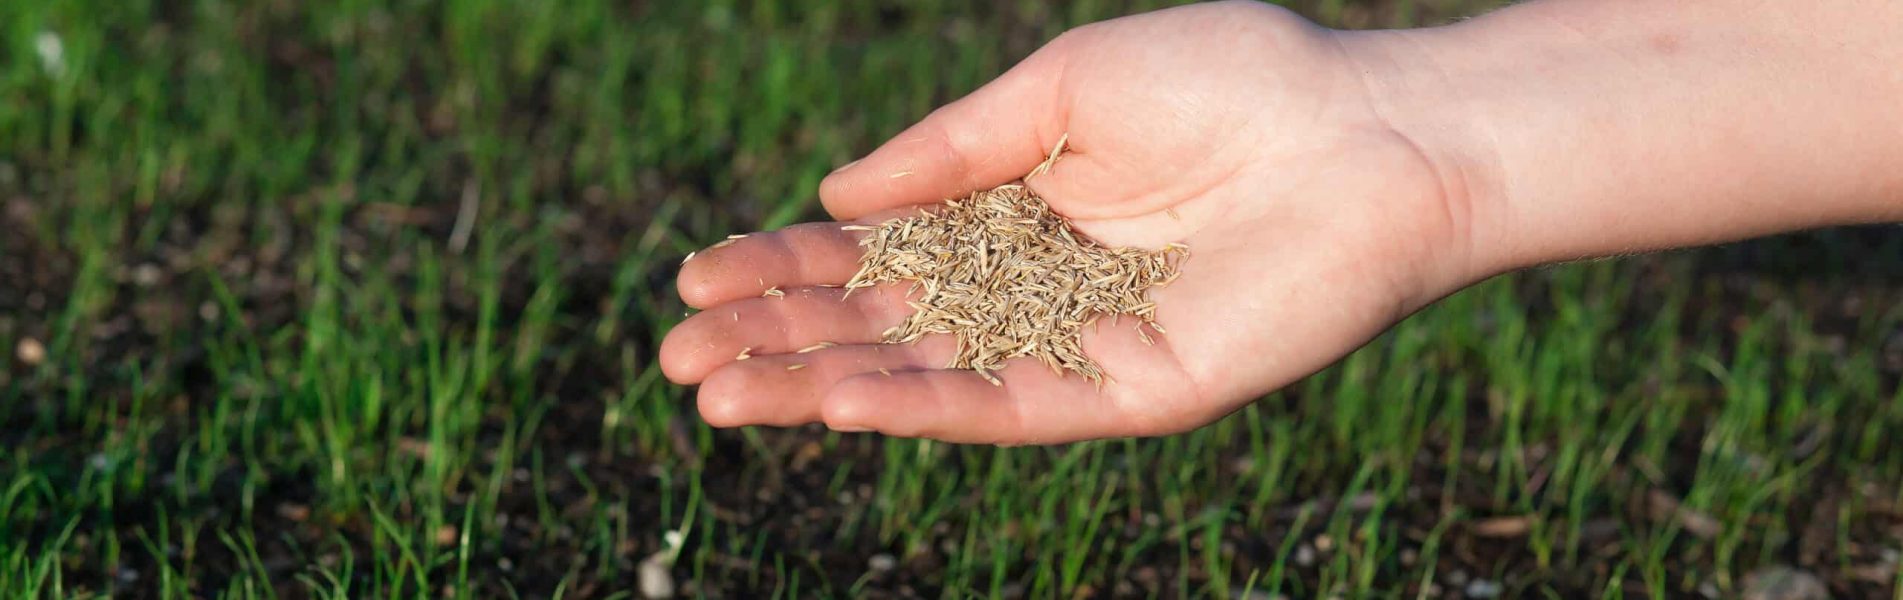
(273, 369)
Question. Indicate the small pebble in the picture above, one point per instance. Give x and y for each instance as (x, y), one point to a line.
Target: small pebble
(654, 579)
(1779, 582)
(1483, 589)
(30, 352)
(147, 275)
(1304, 556)
(880, 563)
(294, 512)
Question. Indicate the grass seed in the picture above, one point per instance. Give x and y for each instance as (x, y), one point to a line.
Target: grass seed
(1009, 278)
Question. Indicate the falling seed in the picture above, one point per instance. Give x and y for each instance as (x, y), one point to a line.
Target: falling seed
(901, 174)
(1172, 213)
(721, 244)
(858, 228)
(815, 347)
(737, 236)
(795, 366)
(744, 354)
(773, 292)
(884, 372)
(690, 256)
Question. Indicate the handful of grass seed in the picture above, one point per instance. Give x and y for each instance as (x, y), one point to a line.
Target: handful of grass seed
(1009, 278)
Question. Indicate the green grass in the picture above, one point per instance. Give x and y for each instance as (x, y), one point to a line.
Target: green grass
(275, 368)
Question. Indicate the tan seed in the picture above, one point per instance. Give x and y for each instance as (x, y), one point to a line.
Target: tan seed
(1006, 277)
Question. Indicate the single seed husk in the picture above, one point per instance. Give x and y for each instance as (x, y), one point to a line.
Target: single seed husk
(1009, 278)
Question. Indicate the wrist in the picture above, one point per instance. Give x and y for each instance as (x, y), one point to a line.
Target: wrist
(1584, 129)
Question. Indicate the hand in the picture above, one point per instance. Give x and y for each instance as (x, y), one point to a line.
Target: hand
(1236, 128)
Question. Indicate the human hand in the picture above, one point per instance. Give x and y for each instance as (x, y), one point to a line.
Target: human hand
(1235, 128)
(1329, 183)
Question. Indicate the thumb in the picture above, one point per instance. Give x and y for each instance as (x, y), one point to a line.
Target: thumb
(988, 138)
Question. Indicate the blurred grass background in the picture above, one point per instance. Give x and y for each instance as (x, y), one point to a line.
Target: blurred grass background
(360, 298)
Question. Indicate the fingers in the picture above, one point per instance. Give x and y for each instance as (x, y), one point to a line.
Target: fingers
(787, 389)
(808, 254)
(1034, 406)
(990, 137)
(800, 319)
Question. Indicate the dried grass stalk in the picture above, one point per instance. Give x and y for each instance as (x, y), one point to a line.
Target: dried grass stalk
(1008, 278)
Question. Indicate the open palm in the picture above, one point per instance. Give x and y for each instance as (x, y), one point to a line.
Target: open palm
(1238, 129)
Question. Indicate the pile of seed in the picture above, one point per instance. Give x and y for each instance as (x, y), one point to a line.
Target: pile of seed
(1009, 278)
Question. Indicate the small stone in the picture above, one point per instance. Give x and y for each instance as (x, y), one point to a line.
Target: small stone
(1304, 556)
(1363, 502)
(1324, 543)
(1458, 577)
(294, 512)
(30, 352)
(1779, 582)
(147, 275)
(880, 563)
(1483, 589)
(654, 579)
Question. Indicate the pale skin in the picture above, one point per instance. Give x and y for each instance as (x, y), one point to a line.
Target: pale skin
(1329, 184)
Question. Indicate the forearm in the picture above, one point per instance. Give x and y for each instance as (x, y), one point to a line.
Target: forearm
(1598, 127)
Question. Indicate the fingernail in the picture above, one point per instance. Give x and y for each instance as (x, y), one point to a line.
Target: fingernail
(845, 166)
